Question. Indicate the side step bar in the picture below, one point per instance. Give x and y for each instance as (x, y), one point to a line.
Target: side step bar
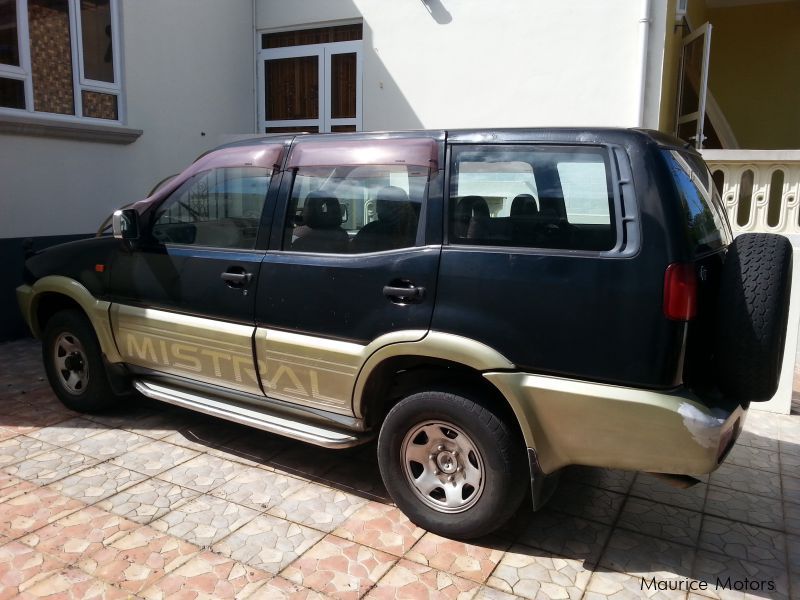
(313, 434)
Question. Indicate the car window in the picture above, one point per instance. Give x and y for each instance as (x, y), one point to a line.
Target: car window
(219, 208)
(705, 220)
(355, 209)
(531, 196)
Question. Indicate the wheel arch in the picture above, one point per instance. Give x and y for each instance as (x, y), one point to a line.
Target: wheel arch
(437, 360)
(55, 292)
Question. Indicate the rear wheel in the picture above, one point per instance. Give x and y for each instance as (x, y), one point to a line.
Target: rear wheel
(74, 363)
(453, 465)
(753, 312)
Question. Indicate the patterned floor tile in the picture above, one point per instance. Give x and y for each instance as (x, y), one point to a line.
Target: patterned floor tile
(22, 447)
(137, 559)
(207, 432)
(791, 488)
(6, 434)
(414, 581)
(78, 535)
(757, 440)
(381, 527)
(268, 543)
(72, 584)
(490, 593)
(339, 568)
(567, 536)
(304, 460)
(204, 520)
(530, 573)
(148, 500)
(154, 458)
(473, 562)
(32, 419)
(21, 567)
(155, 425)
(30, 511)
(279, 588)
(51, 465)
(653, 488)
(258, 488)
(608, 479)
(109, 444)
(317, 506)
(587, 501)
(610, 585)
(762, 423)
(748, 508)
(791, 517)
(362, 478)
(661, 520)
(754, 458)
(725, 577)
(751, 481)
(69, 432)
(207, 575)
(645, 556)
(97, 482)
(202, 473)
(254, 448)
(743, 541)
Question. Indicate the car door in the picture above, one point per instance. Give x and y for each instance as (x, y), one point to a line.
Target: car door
(183, 297)
(352, 263)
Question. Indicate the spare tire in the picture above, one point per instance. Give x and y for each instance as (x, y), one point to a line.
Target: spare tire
(753, 310)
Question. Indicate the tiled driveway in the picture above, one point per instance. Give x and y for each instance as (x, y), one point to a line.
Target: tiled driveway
(153, 501)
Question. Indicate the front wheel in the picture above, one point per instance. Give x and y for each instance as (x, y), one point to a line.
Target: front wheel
(452, 464)
(74, 363)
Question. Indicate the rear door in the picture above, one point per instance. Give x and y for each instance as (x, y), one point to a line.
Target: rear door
(183, 297)
(351, 264)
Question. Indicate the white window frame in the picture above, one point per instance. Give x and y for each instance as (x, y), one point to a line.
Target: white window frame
(80, 83)
(323, 52)
(699, 115)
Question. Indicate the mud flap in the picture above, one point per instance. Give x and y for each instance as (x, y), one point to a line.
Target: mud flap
(542, 486)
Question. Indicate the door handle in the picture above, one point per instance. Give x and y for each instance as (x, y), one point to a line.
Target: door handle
(403, 292)
(236, 278)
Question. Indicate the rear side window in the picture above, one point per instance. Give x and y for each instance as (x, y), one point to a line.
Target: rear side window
(531, 197)
(706, 225)
(355, 209)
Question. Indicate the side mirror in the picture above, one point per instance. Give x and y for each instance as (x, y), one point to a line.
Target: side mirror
(125, 224)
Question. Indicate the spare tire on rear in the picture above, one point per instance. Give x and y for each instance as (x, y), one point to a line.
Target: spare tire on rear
(752, 314)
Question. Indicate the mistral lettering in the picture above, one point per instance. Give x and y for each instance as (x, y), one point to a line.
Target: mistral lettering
(685, 584)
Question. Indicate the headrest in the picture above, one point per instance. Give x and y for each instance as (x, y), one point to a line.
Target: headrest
(391, 203)
(322, 211)
(524, 205)
(472, 206)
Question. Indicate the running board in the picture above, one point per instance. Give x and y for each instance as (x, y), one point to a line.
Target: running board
(313, 434)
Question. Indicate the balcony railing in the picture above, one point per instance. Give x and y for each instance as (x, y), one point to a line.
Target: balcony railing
(760, 188)
(761, 193)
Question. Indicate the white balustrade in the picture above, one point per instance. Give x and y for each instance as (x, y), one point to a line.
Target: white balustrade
(759, 188)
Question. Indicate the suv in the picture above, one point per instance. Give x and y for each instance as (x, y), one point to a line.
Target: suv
(492, 305)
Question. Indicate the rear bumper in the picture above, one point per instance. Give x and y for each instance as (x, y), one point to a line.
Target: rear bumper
(575, 422)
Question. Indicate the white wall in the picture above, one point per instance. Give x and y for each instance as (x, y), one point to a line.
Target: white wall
(188, 67)
(473, 63)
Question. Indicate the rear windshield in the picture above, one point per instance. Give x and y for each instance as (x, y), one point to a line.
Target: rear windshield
(706, 224)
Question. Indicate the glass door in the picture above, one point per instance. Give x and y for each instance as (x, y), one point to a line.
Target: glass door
(693, 86)
(314, 88)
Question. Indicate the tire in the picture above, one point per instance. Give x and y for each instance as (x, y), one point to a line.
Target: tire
(753, 311)
(439, 428)
(74, 364)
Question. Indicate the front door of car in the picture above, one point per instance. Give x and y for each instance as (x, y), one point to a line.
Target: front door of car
(350, 265)
(183, 298)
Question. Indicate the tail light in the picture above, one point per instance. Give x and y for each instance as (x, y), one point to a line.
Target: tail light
(680, 292)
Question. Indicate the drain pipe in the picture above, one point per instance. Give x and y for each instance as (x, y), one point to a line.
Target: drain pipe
(644, 36)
